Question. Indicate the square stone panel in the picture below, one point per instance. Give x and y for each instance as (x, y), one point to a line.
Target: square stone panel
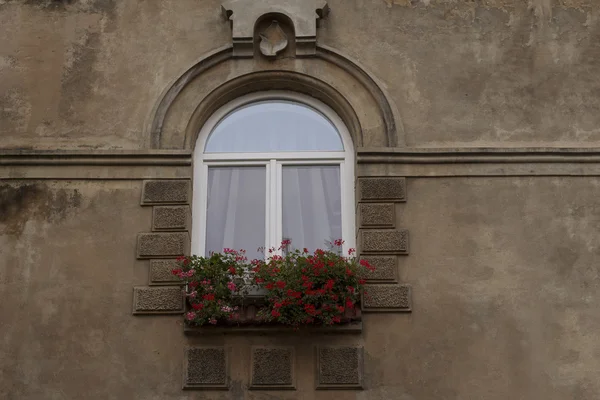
(163, 244)
(339, 367)
(157, 300)
(206, 368)
(166, 192)
(393, 241)
(386, 268)
(382, 188)
(382, 215)
(160, 272)
(272, 368)
(171, 218)
(387, 298)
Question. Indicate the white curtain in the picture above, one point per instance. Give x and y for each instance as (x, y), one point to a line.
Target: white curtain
(312, 216)
(236, 209)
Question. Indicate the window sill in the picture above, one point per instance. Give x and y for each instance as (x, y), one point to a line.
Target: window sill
(350, 327)
(249, 324)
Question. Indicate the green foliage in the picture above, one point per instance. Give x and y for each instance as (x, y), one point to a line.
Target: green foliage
(300, 288)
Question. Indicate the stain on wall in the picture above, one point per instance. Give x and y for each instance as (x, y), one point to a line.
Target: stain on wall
(37, 201)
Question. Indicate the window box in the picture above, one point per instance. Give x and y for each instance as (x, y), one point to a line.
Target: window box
(249, 323)
(300, 290)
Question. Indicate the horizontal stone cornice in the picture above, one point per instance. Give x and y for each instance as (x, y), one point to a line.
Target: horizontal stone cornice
(96, 157)
(407, 155)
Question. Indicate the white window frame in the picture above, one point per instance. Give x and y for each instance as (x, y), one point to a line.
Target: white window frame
(273, 161)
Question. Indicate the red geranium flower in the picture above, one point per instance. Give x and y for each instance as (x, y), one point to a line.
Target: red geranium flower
(209, 297)
(280, 284)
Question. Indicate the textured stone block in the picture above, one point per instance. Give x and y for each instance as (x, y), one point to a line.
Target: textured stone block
(171, 218)
(157, 300)
(339, 367)
(385, 241)
(160, 272)
(386, 268)
(162, 245)
(377, 215)
(272, 368)
(166, 192)
(382, 188)
(387, 298)
(206, 368)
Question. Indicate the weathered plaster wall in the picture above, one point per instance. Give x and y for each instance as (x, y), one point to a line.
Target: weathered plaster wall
(505, 285)
(504, 269)
(87, 74)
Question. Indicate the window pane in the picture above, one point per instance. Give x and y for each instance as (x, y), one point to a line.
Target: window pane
(236, 209)
(312, 207)
(271, 126)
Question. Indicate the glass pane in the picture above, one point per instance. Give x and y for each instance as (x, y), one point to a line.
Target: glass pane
(271, 126)
(312, 206)
(236, 209)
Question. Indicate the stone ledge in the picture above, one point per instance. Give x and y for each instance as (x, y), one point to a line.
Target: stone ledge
(157, 300)
(387, 298)
(382, 188)
(248, 323)
(163, 245)
(206, 368)
(273, 367)
(160, 273)
(350, 328)
(377, 215)
(171, 218)
(166, 192)
(339, 367)
(384, 241)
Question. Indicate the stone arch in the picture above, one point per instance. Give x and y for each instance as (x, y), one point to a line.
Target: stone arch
(273, 80)
(217, 78)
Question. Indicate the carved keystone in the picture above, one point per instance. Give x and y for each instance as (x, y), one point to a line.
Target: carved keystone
(157, 300)
(382, 188)
(160, 273)
(272, 368)
(384, 241)
(163, 245)
(387, 298)
(380, 215)
(386, 268)
(171, 218)
(166, 192)
(339, 367)
(206, 368)
(303, 14)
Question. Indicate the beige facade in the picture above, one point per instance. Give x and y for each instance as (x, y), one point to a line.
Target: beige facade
(475, 127)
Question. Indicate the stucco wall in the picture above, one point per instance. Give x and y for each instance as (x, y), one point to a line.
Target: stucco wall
(504, 273)
(87, 74)
(503, 253)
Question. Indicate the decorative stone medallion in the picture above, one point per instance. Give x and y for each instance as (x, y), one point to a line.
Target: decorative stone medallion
(273, 40)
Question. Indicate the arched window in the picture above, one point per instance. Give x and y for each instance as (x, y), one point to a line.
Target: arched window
(272, 166)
